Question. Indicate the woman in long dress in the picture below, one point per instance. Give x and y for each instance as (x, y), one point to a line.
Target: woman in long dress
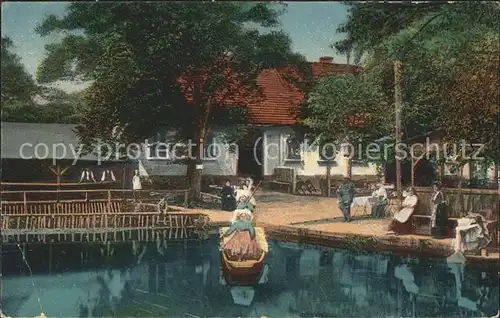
(439, 217)
(401, 223)
(228, 197)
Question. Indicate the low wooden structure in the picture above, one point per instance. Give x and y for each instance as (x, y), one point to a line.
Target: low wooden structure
(212, 198)
(90, 209)
(285, 177)
(53, 152)
(459, 202)
(80, 201)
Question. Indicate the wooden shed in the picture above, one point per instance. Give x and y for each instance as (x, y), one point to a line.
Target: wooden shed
(51, 153)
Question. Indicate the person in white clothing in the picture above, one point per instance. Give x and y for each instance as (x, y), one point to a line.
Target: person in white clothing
(379, 201)
(401, 222)
(87, 176)
(107, 176)
(136, 184)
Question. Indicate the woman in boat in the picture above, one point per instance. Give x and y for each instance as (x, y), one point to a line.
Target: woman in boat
(244, 206)
(242, 244)
(228, 197)
(401, 223)
(439, 217)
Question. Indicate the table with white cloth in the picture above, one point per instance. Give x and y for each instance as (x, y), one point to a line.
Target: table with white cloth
(361, 205)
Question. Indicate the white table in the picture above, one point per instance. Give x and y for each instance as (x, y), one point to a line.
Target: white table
(363, 202)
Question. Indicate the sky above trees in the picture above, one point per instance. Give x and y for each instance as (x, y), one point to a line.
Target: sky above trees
(311, 26)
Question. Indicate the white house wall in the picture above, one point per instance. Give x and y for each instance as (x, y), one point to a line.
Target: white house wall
(224, 165)
(274, 156)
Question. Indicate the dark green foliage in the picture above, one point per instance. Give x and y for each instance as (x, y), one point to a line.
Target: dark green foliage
(445, 50)
(24, 101)
(184, 65)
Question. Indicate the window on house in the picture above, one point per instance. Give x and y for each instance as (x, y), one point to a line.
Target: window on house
(292, 148)
(211, 148)
(327, 151)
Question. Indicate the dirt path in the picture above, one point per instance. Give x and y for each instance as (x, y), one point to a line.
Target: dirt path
(285, 209)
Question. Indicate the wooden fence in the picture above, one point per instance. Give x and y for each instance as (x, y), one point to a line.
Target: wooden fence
(78, 201)
(285, 177)
(460, 201)
(111, 220)
(98, 208)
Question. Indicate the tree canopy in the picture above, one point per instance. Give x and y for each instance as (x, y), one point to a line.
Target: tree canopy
(186, 66)
(347, 106)
(17, 85)
(24, 101)
(449, 54)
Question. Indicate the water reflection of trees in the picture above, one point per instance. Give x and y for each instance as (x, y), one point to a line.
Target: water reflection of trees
(353, 285)
(345, 284)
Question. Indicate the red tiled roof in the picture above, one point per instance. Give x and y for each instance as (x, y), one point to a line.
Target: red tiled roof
(278, 101)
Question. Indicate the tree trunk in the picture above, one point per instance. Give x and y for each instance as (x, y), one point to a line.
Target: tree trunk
(194, 178)
(194, 174)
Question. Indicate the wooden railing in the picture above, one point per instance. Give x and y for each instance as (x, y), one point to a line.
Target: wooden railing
(77, 201)
(173, 219)
(460, 201)
(54, 184)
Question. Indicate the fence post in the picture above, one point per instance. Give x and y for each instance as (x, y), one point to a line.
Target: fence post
(294, 181)
(25, 202)
(186, 198)
(109, 197)
(86, 196)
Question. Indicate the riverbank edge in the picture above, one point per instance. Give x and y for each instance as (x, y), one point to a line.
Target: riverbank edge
(399, 245)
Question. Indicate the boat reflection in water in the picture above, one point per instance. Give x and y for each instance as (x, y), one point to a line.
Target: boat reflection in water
(244, 272)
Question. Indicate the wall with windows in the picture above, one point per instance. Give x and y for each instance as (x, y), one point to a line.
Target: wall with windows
(158, 158)
(282, 148)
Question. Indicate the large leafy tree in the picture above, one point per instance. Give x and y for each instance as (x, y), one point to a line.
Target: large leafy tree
(449, 54)
(186, 66)
(24, 101)
(17, 85)
(347, 107)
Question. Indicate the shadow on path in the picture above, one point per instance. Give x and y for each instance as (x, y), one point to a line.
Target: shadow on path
(270, 197)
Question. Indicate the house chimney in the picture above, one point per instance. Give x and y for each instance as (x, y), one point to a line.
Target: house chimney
(326, 59)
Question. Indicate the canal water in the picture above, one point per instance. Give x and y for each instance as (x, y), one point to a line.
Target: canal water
(183, 279)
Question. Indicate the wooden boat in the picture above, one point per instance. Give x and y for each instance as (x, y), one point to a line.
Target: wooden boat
(245, 272)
